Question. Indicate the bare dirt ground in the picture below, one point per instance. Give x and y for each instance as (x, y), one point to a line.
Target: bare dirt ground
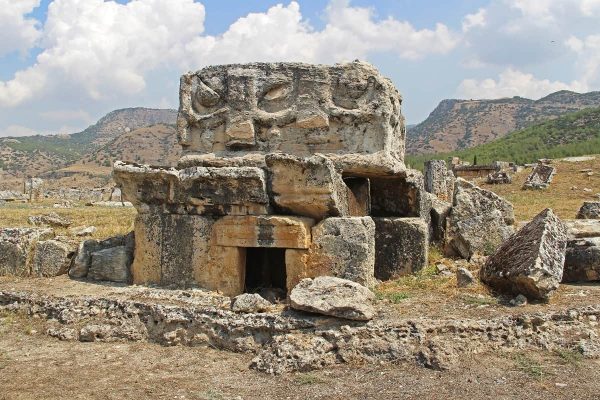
(34, 366)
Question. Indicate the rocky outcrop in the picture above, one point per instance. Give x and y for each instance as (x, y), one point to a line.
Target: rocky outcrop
(335, 297)
(480, 221)
(589, 210)
(531, 261)
(401, 246)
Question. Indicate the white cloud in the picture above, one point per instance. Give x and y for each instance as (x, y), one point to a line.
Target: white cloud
(471, 21)
(19, 33)
(513, 82)
(588, 58)
(98, 50)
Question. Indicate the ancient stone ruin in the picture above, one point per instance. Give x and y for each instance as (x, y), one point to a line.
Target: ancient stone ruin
(540, 177)
(290, 171)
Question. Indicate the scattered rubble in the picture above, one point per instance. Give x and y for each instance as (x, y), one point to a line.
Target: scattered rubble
(52, 219)
(531, 261)
(333, 296)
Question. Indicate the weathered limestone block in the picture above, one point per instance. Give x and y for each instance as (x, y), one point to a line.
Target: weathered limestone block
(582, 260)
(589, 210)
(540, 177)
(439, 180)
(307, 186)
(263, 231)
(401, 246)
(111, 264)
(531, 261)
(480, 221)
(194, 190)
(250, 303)
(16, 247)
(337, 297)
(50, 219)
(400, 196)
(439, 214)
(345, 247)
(82, 260)
(51, 258)
(582, 228)
(348, 112)
(176, 250)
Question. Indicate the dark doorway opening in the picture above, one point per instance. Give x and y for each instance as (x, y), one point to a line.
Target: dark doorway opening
(265, 272)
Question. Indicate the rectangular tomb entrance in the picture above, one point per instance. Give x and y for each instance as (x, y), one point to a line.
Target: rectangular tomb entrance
(266, 272)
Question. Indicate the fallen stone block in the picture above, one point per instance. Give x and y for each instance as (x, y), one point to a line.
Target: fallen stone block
(52, 219)
(401, 246)
(333, 296)
(589, 210)
(16, 248)
(531, 261)
(82, 260)
(582, 260)
(250, 303)
(111, 264)
(479, 222)
(439, 180)
(51, 258)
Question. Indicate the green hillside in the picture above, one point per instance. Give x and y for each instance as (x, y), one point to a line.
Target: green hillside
(572, 134)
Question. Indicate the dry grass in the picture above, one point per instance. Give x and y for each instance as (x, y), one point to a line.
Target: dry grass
(109, 221)
(559, 196)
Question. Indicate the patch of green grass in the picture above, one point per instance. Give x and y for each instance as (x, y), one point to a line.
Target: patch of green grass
(567, 356)
(212, 394)
(307, 379)
(435, 254)
(480, 301)
(394, 297)
(529, 366)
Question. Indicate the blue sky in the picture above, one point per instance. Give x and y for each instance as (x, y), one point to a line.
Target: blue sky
(65, 63)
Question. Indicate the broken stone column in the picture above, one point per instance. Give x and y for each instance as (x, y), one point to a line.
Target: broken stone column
(439, 180)
(401, 246)
(531, 261)
(479, 222)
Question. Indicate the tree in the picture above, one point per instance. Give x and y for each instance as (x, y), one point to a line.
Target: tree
(475, 159)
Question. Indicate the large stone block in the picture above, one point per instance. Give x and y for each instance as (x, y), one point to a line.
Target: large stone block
(401, 246)
(344, 247)
(439, 214)
(194, 190)
(480, 221)
(82, 260)
(51, 258)
(400, 196)
(307, 186)
(582, 260)
(589, 210)
(16, 248)
(348, 112)
(439, 180)
(111, 264)
(531, 261)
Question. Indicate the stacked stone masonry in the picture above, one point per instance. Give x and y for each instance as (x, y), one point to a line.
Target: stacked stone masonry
(290, 171)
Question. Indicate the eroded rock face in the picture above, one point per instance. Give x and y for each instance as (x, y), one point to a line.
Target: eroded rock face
(333, 296)
(400, 246)
(531, 261)
(347, 111)
(480, 221)
(589, 210)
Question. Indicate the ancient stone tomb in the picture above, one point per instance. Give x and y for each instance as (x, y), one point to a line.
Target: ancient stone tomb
(290, 171)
